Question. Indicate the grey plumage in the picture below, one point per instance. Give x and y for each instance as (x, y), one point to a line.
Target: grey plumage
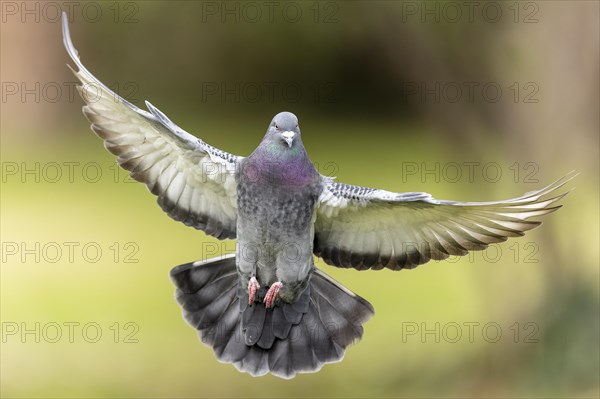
(277, 189)
(404, 230)
(285, 340)
(268, 309)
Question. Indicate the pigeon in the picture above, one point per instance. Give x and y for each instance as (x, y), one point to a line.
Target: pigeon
(267, 308)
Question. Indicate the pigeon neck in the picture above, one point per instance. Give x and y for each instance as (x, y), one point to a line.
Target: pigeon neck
(290, 167)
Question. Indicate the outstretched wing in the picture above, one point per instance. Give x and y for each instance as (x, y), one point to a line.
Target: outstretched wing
(365, 228)
(194, 182)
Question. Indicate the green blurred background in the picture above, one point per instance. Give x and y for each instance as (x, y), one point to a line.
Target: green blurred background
(362, 78)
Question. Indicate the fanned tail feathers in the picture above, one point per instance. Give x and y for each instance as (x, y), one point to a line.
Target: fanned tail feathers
(284, 340)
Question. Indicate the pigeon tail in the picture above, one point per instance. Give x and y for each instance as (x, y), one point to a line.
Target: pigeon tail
(284, 340)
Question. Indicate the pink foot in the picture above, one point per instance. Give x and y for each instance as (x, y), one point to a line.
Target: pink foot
(272, 294)
(253, 286)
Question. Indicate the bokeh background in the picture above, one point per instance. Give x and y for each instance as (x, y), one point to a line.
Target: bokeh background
(492, 100)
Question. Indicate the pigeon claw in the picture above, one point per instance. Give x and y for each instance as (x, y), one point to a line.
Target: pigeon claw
(272, 294)
(253, 286)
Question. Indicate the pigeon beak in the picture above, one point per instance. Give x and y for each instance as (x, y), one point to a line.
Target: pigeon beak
(288, 137)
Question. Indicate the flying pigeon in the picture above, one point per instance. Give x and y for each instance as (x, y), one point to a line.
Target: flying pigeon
(267, 308)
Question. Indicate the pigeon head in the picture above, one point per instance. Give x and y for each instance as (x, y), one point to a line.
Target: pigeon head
(280, 158)
(284, 129)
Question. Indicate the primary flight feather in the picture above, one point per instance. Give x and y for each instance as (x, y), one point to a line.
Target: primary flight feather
(267, 309)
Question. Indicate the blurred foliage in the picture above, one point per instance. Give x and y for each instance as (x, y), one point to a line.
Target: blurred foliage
(360, 121)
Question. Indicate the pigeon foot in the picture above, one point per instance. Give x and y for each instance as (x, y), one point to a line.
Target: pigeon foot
(272, 294)
(253, 286)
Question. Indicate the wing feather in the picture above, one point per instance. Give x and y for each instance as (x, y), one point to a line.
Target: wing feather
(194, 182)
(365, 228)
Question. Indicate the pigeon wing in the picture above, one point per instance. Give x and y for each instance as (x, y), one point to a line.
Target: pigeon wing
(194, 182)
(365, 228)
